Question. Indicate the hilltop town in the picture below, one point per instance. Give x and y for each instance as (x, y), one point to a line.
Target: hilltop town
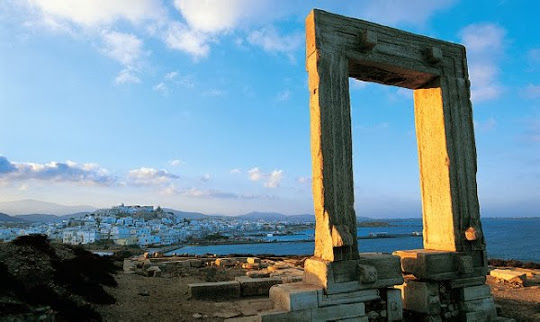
(145, 226)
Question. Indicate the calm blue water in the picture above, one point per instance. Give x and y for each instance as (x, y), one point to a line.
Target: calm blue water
(506, 239)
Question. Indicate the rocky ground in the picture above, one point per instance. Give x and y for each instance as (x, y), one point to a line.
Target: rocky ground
(48, 282)
(166, 299)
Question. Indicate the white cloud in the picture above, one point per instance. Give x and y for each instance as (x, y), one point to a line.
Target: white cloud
(127, 50)
(92, 13)
(161, 87)
(235, 171)
(479, 38)
(199, 193)
(178, 36)
(194, 192)
(126, 76)
(485, 46)
(274, 179)
(176, 163)
(122, 47)
(206, 177)
(150, 176)
(303, 180)
(271, 41)
(69, 171)
(255, 174)
(214, 16)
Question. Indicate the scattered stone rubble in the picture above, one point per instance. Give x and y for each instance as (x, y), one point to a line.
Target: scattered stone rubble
(516, 277)
(422, 294)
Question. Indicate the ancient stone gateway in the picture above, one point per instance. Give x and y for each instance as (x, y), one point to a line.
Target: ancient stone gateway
(445, 279)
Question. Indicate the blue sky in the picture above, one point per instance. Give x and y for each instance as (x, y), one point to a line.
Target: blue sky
(203, 105)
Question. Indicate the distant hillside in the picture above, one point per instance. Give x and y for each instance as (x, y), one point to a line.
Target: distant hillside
(30, 206)
(270, 216)
(39, 218)
(51, 218)
(186, 214)
(8, 218)
(302, 218)
(274, 216)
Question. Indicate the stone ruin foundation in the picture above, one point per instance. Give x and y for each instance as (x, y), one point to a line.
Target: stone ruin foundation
(445, 281)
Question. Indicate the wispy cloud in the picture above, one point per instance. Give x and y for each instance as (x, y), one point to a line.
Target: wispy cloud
(206, 177)
(214, 92)
(97, 20)
(255, 174)
(176, 163)
(126, 76)
(271, 41)
(161, 87)
(193, 192)
(173, 80)
(357, 84)
(178, 36)
(486, 125)
(531, 91)
(123, 47)
(485, 46)
(171, 75)
(303, 180)
(284, 95)
(69, 171)
(150, 176)
(271, 180)
(274, 179)
(100, 12)
(127, 49)
(192, 26)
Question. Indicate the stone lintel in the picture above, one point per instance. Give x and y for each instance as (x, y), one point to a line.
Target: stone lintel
(442, 265)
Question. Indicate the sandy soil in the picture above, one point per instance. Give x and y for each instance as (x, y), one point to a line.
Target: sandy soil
(166, 298)
(522, 303)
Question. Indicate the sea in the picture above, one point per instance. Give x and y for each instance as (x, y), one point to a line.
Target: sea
(506, 238)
